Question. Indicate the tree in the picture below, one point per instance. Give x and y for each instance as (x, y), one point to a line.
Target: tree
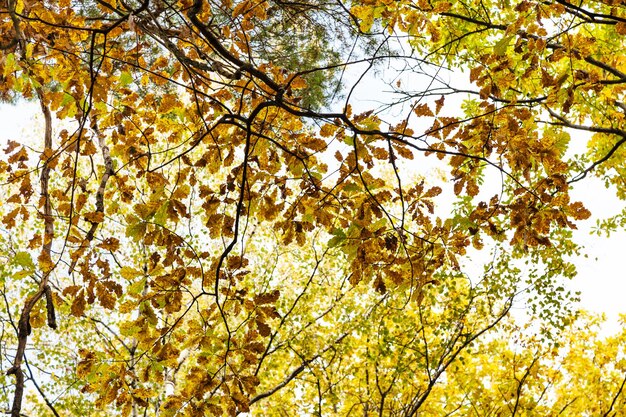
(211, 225)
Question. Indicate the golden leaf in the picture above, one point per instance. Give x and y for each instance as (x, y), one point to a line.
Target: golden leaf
(298, 83)
(94, 217)
(328, 130)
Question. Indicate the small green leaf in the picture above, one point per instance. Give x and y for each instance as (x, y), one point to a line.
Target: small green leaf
(137, 287)
(22, 274)
(136, 230)
(24, 260)
(338, 237)
(126, 78)
(502, 44)
(9, 65)
(160, 217)
(67, 99)
(352, 187)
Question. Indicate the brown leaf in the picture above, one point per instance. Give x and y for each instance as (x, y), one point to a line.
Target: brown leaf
(264, 329)
(111, 244)
(267, 298)
(78, 305)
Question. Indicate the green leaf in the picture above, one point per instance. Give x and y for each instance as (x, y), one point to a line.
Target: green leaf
(22, 274)
(338, 237)
(67, 99)
(9, 65)
(136, 230)
(160, 217)
(24, 260)
(352, 187)
(126, 78)
(502, 44)
(137, 287)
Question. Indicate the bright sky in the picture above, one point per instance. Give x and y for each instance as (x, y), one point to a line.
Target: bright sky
(601, 275)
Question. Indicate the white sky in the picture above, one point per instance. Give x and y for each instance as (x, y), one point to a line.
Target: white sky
(602, 274)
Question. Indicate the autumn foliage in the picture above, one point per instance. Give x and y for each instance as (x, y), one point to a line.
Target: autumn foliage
(306, 208)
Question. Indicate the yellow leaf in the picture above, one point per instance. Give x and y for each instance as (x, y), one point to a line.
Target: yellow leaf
(129, 273)
(94, 217)
(241, 8)
(144, 393)
(45, 262)
(85, 366)
(298, 83)
(328, 130)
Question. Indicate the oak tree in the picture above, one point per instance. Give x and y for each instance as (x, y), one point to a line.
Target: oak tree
(222, 214)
